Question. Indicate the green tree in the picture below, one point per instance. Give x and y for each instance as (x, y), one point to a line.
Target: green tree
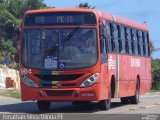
(156, 74)
(155, 68)
(152, 47)
(10, 19)
(85, 5)
(33, 5)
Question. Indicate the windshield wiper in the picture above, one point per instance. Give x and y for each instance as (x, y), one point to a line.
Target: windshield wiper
(71, 34)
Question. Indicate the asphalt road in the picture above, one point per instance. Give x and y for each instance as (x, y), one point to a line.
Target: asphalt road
(149, 104)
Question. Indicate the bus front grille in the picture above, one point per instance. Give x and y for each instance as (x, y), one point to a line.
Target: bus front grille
(55, 85)
(59, 77)
(59, 92)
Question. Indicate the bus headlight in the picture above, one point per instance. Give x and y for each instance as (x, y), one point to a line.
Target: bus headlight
(90, 81)
(30, 83)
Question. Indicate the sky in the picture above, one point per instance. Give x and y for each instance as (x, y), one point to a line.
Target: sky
(137, 10)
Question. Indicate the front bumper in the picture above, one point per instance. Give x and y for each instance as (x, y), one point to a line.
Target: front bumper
(66, 94)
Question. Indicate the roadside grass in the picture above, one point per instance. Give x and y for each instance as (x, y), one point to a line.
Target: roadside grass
(154, 90)
(11, 93)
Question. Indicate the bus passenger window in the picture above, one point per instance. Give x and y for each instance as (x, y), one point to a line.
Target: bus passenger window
(122, 39)
(143, 42)
(126, 41)
(109, 37)
(129, 40)
(135, 41)
(115, 37)
(103, 51)
(112, 38)
(138, 43)
(119, 39)
(149, 53)
(132, 41)
(146, 43)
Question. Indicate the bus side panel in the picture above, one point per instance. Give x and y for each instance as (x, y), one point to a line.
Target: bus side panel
(111, 68)
(148, 74)
(123, 88)
(126, 76)
(104, 82)
(148, 77)
(140, 71)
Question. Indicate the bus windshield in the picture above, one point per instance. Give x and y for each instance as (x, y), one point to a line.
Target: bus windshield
(59, 49)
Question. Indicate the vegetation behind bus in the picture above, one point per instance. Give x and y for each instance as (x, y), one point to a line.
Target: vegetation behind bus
(156, 74)
(10, 19)
(10, 14)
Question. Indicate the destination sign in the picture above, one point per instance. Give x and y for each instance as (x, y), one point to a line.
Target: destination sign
(60, 18)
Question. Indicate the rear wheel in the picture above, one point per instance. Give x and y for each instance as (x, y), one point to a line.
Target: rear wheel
(135, 99)
(43, 105)
(125, 100)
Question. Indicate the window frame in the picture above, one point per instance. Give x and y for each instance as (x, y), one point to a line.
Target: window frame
(135, 40)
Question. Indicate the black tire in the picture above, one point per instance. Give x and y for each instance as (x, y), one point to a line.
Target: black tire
(125, 100)
(43, 105)
(105, 104)
(135, 99)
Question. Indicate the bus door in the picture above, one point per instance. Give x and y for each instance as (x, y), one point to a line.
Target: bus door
(104, 58)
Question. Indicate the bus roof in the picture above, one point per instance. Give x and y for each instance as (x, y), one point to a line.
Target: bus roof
(124, 21)
(103, 15)
(62, 10)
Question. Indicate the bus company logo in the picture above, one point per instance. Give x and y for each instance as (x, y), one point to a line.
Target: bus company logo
(58, 85)
(111, 63)
(135, 62)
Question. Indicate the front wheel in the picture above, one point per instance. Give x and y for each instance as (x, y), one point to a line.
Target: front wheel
(105, 104)
(43, 105)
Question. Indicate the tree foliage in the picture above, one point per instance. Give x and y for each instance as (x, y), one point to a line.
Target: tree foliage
(156, 74)
(10, 19)
(152, 48)
(81, 5)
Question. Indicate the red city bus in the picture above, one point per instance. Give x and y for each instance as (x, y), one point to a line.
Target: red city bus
(83, 55)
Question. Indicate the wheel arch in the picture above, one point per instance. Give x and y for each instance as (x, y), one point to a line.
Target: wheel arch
(138, 80)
